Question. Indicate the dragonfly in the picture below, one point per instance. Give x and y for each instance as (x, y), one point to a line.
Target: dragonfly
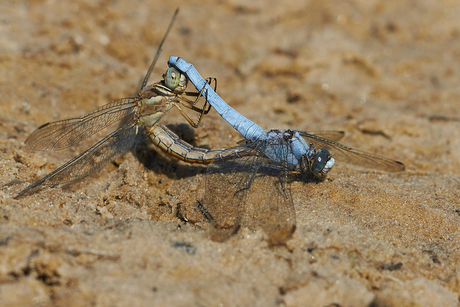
(233, 172)
(268, 161)
(142, 111)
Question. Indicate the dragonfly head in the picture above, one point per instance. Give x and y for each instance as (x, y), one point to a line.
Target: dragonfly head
(174, 80)
(321, 163)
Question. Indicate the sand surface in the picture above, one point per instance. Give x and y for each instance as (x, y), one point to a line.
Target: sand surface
(385, 72)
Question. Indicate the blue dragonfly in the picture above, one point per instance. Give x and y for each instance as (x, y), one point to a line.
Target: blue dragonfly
(233, 172)
(268, 161)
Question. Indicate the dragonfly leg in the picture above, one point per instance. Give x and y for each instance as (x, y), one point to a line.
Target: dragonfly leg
(196, 109)
(191, 104)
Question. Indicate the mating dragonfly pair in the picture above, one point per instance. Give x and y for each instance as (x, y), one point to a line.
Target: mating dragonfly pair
(268, 160)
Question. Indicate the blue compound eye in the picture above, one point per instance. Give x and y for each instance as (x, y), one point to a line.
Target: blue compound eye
(172, 78)
(318, 164)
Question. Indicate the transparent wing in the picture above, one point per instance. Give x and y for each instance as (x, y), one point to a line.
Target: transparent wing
(93, 159)
(225, 196)
(270, 203)
(332, 135)
(328, 134)
(350, 155)
(64, 133)
(252, 191)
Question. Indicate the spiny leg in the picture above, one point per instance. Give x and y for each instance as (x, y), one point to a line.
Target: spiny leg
(191, 104)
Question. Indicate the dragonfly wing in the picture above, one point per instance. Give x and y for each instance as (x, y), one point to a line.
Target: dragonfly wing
(270, 205)
(354, 156)
(227, 185)
(64, 133)
(252, 190)
(276, 208)
(93, 159)
(224, 198)
(332, 135)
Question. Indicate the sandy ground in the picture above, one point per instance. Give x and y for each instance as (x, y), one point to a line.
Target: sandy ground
(385, 72)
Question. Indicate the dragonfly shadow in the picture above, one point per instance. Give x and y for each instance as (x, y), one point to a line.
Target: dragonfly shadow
(159, 162)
